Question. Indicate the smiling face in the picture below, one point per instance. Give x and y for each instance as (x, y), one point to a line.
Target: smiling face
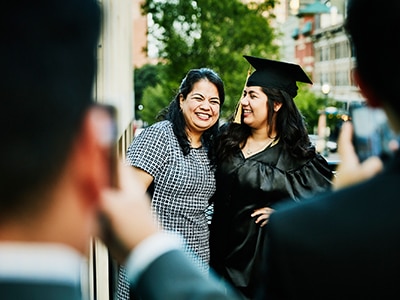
(201, 107)
(255, 108)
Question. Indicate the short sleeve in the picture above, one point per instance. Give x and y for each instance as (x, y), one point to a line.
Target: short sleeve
(149, 150)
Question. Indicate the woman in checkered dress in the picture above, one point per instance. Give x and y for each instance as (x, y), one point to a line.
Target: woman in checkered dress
(174, 159)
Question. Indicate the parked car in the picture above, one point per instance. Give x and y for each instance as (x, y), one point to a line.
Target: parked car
(332, 159)
(331, 145)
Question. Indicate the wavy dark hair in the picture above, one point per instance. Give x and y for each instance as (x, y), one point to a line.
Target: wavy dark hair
(174, 114)
(290, 129)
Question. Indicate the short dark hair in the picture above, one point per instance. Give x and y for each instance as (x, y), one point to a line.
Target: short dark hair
(371, 28)
(48, 64)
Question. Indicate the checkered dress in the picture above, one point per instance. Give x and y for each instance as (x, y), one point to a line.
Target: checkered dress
(182, 185)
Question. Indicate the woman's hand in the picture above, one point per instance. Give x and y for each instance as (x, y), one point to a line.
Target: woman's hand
(262, 215)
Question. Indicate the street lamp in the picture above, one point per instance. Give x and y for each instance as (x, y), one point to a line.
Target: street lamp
(325, 89)
(294, 6)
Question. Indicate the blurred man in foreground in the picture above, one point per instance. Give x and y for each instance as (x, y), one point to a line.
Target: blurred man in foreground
(55, 166)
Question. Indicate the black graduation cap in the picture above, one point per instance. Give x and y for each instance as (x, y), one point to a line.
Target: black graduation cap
(276, 74)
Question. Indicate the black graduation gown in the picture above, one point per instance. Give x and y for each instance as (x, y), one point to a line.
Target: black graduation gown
(246, 184)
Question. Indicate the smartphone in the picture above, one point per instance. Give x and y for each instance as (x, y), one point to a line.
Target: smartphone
(113, 154)
(100, 253)
(110, 133)
(372, 134)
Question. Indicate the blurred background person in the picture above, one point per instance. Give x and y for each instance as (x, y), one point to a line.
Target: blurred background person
(263, 157)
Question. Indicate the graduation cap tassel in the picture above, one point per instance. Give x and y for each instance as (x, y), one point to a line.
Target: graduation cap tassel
(238, 110)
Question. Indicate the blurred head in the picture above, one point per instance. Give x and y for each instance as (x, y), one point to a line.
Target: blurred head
(370, 26)
(47, 62)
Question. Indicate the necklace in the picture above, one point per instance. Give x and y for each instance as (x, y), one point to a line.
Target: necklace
(258, 149)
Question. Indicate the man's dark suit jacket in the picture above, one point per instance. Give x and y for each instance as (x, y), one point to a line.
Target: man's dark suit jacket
(173, 276)
(340, 245)
(41, 271)
(31, 290)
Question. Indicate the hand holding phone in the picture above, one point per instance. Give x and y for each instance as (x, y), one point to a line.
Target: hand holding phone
(126, 215)
(108, 137)
(350, 171)
(372, 133)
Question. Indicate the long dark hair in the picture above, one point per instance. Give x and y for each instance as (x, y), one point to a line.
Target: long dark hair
(290, 129)
(174, 114)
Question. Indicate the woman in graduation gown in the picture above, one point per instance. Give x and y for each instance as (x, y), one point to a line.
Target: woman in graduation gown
(264, 157)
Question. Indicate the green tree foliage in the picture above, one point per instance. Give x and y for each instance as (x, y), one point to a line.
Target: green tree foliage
(146, 76)
(206, 33)
(153, 101)
(309, 105)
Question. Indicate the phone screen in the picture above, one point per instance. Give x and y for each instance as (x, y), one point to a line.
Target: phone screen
(110, 137)
(113, 155)
(372, 134)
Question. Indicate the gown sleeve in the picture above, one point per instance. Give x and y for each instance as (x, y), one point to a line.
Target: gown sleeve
(305, 178)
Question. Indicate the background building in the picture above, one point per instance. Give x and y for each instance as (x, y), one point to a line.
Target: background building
(113, 85)
(314, 37)
(139, 35)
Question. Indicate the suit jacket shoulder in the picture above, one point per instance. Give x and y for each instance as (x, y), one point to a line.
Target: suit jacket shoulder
(31, 290)
(174, 276)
